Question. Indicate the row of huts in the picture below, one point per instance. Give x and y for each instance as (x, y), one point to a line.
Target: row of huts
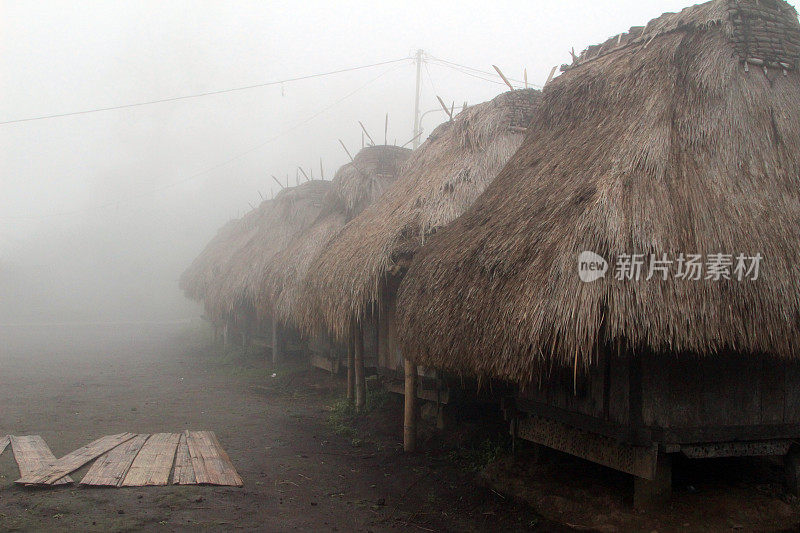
(673, 144)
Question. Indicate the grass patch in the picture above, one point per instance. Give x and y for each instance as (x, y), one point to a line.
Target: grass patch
(476, 457)
(343, 415)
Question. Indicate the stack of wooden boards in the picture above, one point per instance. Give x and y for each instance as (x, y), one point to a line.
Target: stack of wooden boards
(128, 460)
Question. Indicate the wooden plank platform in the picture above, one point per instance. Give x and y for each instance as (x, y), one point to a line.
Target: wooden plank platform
(153, 463)
(3, 443)
(74, 460)
(110, 468)
(211, 463)
(184, 471)
(33, 455)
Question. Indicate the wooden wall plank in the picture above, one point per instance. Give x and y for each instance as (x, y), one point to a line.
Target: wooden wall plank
(110, 468)
(791, 411)
(773, 391)
(184, 471)
(33, 455)
(74, 460)
(153, 463)
(212, 466)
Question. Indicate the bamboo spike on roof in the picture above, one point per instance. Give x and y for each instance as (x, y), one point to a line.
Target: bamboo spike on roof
(355, 186)
(440, 179)
(228, 273)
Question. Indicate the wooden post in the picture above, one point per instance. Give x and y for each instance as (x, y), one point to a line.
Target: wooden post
(276, 341)
(410, 411)
(792, 471)
(648, 493)
(351, 366)
(360, 374)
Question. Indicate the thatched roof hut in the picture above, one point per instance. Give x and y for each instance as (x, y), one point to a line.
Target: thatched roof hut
(682, 137)
(230, 270)
(355, 186)
(440, 179)
(197, 281)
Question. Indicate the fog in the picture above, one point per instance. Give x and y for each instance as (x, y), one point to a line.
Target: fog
(101, 212)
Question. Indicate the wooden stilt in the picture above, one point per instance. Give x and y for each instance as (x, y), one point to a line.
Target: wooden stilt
(444, 417)
(410, 411)
(646, 492)
(360, 374)
(792, 471)
(351, 366)
(276, 341)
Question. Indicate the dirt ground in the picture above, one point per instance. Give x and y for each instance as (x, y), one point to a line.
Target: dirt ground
(307, 464)
(74, 384)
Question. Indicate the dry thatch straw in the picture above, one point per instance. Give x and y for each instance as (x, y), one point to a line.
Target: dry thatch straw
(205, 270)
(664, 144)
(236, 258)
(439, 181)
(355, 186)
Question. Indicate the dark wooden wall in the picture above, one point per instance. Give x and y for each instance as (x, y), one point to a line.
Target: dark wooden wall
(675, 397)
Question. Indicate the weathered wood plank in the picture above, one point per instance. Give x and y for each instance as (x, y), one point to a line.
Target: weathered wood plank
(153, 463)
(110, 468)
(773, 391)
(32, 455)
(212, 466)
(3, 443)
(184, 471)
(74, 460)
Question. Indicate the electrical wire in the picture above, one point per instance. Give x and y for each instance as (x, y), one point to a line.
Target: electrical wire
(493, 75)
(466, 70)
(467, 73)
(430, 78)
(200, 95)
(209, 169)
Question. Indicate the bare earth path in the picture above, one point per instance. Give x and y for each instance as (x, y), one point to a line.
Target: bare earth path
(74, 384)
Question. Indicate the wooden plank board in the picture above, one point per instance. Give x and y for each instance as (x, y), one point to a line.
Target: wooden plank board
(32, 455)
(184, 471)
(153, 463)
(212, 466)
(110, 468)
(74, 460)
(3, 443)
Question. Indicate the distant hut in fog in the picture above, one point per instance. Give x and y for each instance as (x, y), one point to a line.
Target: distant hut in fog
(205, 272)
(355, 186)
(228, 274)
(682, 137)
(357, 272)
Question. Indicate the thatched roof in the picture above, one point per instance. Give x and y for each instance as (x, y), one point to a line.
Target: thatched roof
(668, 144)
(204, 272)
(440, 179)
(355, 186)
(238, 256)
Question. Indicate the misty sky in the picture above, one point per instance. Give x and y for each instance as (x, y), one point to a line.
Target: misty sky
(100, 213)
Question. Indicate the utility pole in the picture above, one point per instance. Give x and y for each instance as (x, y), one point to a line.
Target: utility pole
(417, 132)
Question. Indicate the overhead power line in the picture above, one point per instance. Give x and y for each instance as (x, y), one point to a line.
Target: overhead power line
(200, 95)
(207, 170)
(478, 73)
